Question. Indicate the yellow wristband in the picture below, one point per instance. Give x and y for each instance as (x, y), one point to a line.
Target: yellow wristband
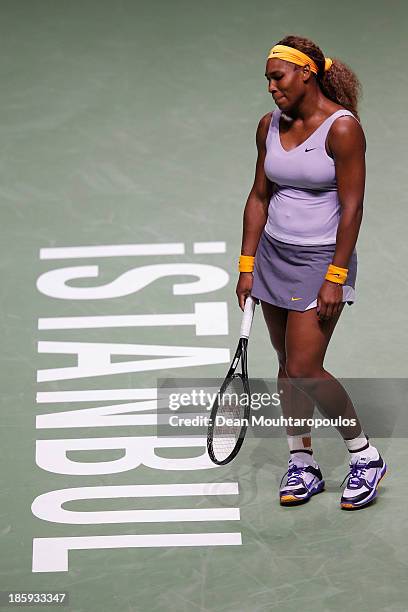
(246, 263)
(335, 274)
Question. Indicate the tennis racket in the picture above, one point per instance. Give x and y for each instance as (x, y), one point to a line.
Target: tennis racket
(232, 406)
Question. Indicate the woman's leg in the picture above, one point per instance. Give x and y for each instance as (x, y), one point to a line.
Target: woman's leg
(304, 477)
(307, 339)
(294, 402)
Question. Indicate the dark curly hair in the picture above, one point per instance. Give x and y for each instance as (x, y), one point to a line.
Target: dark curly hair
(339, 84)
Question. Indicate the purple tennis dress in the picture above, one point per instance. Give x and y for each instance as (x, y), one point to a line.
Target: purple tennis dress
(299, 238)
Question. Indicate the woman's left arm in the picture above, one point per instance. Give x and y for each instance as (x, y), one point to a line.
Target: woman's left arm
(347, 146)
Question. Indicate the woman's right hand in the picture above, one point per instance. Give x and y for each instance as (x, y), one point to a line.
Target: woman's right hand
(244, 288)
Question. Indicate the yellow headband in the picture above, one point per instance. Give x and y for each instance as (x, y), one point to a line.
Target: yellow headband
(289, 54)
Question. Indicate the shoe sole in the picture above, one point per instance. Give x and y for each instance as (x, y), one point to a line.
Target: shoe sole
(346, 506)
(292, 500)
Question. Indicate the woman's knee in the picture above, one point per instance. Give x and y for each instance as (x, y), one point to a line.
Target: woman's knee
(301, 368)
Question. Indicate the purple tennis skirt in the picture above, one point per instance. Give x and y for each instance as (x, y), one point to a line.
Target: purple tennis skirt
(290, 275)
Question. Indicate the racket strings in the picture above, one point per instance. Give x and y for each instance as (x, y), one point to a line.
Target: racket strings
(230, 420)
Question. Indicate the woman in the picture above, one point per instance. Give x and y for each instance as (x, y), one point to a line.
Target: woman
(301, 220)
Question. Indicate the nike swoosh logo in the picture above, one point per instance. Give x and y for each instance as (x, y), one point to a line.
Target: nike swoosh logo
(307, 150)
(371, 484)
(293, 299)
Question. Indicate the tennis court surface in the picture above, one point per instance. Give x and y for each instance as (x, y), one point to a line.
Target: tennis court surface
(128, 151)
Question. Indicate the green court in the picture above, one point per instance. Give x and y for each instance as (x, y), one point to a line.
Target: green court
(128, 151)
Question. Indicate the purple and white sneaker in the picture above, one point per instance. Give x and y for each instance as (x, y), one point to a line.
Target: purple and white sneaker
(366, 471)
(303, 481)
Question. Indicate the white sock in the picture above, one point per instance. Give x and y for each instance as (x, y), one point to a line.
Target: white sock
(301, 448)
(300, 443)
(355, 445)
(361, 447)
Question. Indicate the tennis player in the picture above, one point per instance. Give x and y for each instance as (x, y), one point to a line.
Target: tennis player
(298, 256)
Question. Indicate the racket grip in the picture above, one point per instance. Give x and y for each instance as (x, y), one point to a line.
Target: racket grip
(247, 317)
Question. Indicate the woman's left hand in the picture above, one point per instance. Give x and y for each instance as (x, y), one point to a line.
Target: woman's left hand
(329, 300)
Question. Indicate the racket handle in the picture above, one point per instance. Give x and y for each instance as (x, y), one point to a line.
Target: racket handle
(247, 317)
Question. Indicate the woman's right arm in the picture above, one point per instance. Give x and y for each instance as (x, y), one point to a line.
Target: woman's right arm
(256, 210)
